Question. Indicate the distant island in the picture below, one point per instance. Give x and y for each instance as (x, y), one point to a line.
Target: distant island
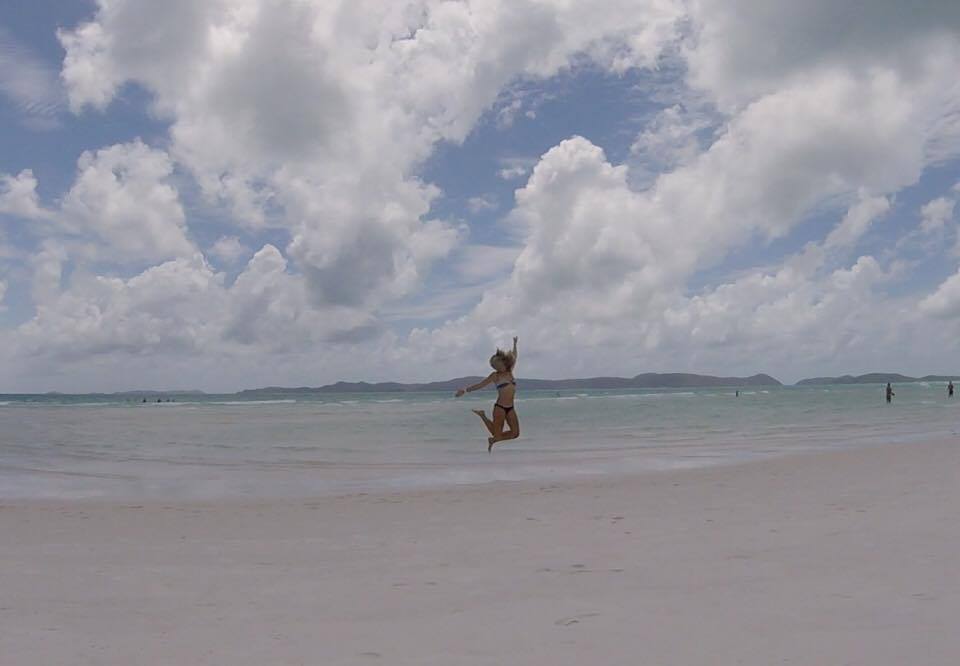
(644, 381)
(648, 380)
(130, 394)
(875, 378)
(148, 394)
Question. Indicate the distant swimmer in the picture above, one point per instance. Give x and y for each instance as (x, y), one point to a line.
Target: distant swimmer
(503, 412)
(738, 394)
(890, 393)
(950, 390)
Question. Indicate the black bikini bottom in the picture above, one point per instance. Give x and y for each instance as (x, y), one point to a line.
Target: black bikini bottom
(506, 410)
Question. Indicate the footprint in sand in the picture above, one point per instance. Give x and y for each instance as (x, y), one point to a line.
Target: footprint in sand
(574, 619)
(582, 568)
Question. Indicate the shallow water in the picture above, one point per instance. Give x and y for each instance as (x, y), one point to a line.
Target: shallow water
(271, 446)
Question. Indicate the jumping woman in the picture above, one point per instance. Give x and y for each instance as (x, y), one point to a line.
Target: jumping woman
(503, 412)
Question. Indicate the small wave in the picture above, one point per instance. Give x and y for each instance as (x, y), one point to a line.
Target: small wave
(4, 403)
(249, 402)
(645, 396)
(390, 400)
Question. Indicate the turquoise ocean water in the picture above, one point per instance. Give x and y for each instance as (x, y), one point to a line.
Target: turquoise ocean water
(203, 447)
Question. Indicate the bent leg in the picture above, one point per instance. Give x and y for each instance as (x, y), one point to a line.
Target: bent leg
(487, 422)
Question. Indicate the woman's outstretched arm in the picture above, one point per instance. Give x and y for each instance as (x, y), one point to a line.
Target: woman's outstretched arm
(514, 349)
(476, 387)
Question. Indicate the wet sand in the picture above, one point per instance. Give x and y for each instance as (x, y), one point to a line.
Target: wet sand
(846, 557)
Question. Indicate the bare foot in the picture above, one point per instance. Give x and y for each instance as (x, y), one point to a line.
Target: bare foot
(479, 412)
(490, 443)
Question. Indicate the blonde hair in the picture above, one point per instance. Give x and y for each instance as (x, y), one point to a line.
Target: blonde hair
(506, 357)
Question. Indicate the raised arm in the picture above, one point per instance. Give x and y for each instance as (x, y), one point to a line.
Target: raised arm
(514, 349)
(479, 385)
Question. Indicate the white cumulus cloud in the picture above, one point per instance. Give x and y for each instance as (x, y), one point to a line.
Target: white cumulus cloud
(936, 214)
(229, 249)
(310, 121)
(18, 196)
(325, 109)
(121, 195)
(605, 268)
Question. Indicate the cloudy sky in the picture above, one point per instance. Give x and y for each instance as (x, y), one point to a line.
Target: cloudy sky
(223, 194)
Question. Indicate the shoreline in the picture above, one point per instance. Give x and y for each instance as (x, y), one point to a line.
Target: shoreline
(844, 556)
(570, 477)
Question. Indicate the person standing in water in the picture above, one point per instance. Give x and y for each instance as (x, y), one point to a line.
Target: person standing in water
(950, 389)
(503, 411)
(890, 393)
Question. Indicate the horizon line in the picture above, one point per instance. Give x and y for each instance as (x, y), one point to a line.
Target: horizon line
(180, 391)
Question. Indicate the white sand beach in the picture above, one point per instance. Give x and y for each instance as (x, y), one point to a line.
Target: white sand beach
(845, 557)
